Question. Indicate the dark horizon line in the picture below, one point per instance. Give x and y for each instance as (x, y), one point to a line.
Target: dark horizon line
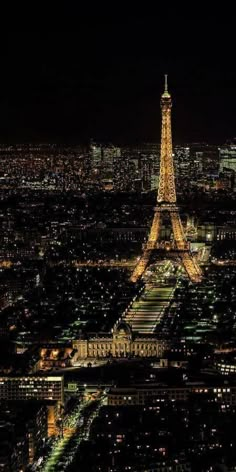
(115, 142)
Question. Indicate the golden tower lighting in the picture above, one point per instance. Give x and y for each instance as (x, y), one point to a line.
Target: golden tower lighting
(166, 203)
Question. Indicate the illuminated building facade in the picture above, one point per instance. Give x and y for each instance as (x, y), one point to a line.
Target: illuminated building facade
(140, 394)
(133, 171)
(120, 343)
(227, 155)
(204, 160)
(32, 388)
(183, 164)
(52, 357)
(49, 390)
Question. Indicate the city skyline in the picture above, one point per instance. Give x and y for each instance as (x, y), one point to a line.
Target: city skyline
(118, 241)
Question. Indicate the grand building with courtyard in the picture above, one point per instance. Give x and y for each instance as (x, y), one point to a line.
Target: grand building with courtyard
(121, 342)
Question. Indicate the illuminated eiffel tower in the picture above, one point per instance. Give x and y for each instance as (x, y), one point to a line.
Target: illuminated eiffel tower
(166, 206)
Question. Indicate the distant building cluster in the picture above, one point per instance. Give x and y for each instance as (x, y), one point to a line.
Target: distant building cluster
(73, 221)
(110, 167)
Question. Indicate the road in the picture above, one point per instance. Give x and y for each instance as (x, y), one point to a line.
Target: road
(225, 262)
(128, 264)
(76, 428)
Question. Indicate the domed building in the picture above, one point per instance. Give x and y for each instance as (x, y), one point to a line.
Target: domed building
(120, 343)
(122, 330)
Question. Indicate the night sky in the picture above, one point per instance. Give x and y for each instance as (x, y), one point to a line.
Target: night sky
(101, 77)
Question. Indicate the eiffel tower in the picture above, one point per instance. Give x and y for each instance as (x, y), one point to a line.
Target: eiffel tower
(166, 207)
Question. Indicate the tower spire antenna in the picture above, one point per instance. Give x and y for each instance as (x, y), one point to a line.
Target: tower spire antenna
(166, 83)
(166, 93)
